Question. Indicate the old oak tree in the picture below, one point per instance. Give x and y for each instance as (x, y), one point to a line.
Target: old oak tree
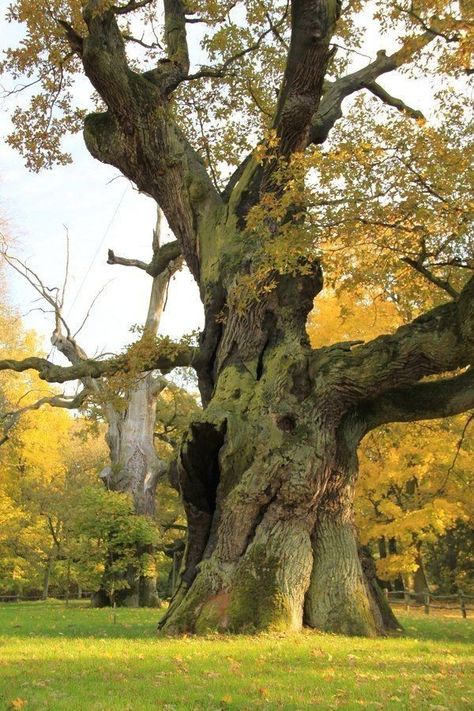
(267, 472)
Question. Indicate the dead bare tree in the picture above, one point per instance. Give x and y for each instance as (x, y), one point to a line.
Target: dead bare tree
(135, 467)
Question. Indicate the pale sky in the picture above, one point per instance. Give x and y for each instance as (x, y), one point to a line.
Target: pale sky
(102, 209)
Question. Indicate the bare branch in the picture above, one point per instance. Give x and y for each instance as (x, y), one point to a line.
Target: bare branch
(10, 419)
(390, 100)
(112, 259)
(89, 310)
(66, 273)
(50, 295)
(136, 40)
(221, 71)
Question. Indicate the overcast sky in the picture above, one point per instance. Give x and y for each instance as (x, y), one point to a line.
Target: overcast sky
(101, 209)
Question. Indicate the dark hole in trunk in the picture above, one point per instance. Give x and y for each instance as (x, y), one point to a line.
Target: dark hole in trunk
(199, 478)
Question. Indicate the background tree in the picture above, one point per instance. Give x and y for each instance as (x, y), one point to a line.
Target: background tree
(126, 401)
(407, 499)
(267, 473)
(450, 562)
(45, 463)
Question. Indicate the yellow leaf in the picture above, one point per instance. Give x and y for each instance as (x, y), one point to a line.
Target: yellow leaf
(17, 704)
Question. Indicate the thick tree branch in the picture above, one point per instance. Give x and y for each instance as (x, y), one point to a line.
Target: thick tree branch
(105, 60)
(437, 342)
(76, 42)
(312, 26)
(164, 258)
(162, 261)
(176, 35)
(181, 356)
(421, 401)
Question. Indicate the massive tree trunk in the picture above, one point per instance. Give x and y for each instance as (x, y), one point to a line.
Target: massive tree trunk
(267, 473)
(267, 480)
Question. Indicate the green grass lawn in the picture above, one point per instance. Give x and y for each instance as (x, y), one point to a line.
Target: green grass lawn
(58, 658)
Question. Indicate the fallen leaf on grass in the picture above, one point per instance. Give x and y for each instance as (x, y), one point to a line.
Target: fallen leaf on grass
(17, 704)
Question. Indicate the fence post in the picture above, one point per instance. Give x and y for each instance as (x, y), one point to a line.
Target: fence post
(462, 604)
(406, 595)
(427, 603)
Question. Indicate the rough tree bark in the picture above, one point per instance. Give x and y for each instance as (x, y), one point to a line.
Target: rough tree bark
(267, 472)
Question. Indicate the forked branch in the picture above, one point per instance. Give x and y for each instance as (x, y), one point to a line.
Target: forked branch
(10, 419)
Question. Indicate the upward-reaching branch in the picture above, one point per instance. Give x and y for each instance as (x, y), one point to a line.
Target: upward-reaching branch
(330, 108)
(312, 26)
(175, 32)
(138, 133)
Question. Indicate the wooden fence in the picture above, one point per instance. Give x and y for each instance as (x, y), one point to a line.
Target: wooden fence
(408, 598)
(430, 601)
(34, 598)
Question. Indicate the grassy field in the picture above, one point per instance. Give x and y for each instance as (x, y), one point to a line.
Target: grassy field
(58, 658)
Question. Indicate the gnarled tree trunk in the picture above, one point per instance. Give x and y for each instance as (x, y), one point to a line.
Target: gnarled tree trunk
(267, 472)
(267, 479)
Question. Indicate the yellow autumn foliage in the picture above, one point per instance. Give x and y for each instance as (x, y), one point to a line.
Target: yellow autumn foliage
(415, 479)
